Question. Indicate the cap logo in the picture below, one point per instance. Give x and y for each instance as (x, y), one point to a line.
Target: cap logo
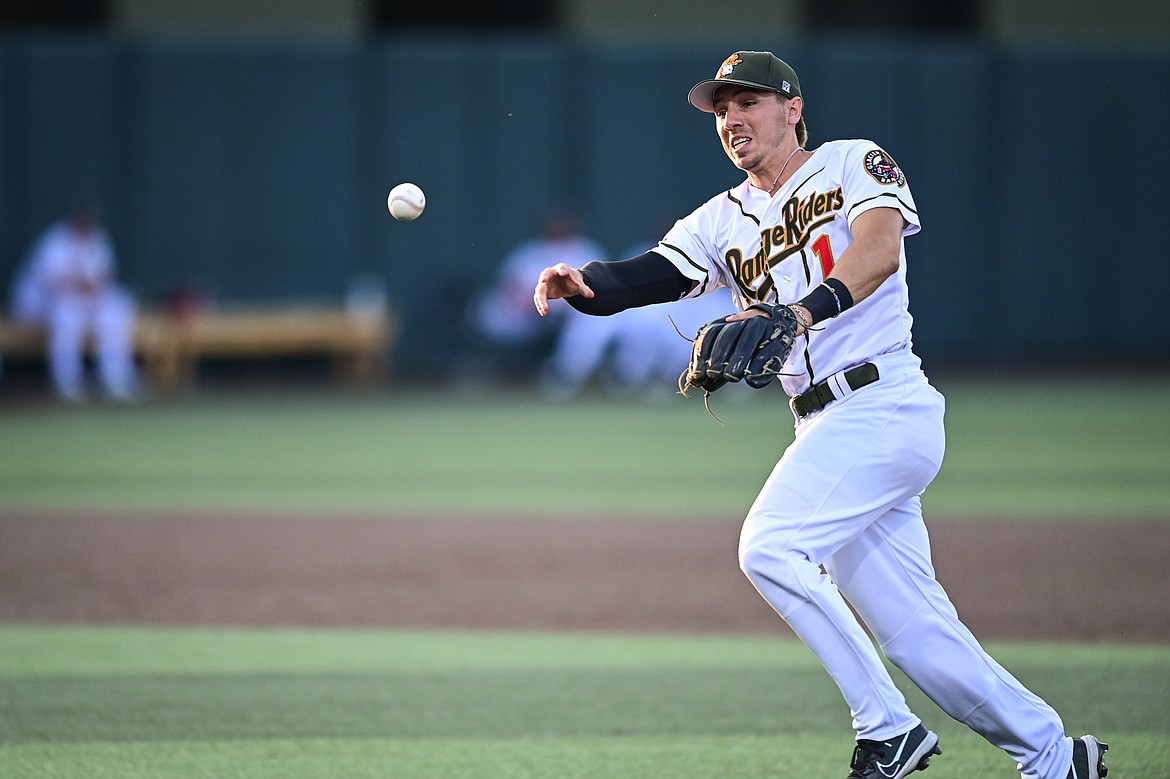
(728, 66)
(787, 86)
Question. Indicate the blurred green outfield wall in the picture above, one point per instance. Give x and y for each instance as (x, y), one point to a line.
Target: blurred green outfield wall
(259, 170)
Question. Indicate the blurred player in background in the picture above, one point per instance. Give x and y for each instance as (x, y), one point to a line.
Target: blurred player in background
(642, 351)
(503, 315)
(67, 285)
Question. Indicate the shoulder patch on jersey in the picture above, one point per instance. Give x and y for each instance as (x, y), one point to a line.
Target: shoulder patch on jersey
(882, 167)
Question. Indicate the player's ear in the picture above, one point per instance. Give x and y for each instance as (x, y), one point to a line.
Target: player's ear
(795, 110)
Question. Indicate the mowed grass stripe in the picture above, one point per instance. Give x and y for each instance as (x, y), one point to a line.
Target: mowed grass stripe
(617, 757)
(1140, 756)
(60, 651)
(137, 702)
(497, 705)
(1015, 448)
(77, 684)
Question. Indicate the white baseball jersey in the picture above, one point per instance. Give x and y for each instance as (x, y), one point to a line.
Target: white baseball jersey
(776, 248)
(59, 259)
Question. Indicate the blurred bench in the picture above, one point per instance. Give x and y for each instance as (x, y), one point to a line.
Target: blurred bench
(170, 347)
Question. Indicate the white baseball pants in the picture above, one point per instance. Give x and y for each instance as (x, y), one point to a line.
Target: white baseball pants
(110, 319)
(846, 496)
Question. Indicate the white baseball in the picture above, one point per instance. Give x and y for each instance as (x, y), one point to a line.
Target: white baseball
(406, 202)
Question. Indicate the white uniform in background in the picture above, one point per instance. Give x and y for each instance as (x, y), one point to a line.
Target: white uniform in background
(67, 286)
(652, 344)
(503, 313)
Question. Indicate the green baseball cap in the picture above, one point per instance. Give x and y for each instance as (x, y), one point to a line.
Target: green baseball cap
(753, 69)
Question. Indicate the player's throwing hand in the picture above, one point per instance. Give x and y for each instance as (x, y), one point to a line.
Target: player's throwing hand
(559, 281)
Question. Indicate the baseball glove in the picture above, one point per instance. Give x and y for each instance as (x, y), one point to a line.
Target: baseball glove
(752, 350)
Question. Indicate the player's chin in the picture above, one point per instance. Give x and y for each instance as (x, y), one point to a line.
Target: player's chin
(741, 158)
(735, 157)
(742, 164)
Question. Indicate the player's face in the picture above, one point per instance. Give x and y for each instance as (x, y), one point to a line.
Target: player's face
(751, 124)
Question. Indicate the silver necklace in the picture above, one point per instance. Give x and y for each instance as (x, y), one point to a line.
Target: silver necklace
(776, 180)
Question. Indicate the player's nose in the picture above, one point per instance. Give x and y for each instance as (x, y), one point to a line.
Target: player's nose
(732, 119)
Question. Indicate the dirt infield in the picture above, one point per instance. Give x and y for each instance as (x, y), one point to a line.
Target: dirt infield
(1093, 581)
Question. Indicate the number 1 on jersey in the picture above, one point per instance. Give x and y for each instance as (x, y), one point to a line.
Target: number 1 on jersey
(824, 252)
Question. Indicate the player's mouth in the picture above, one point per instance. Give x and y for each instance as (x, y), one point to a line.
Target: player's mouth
(739, 141)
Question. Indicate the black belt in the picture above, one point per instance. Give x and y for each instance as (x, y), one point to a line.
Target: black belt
(821, 395)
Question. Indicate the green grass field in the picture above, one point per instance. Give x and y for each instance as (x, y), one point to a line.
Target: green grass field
(131, 703)
(193, 703)
(1053, 449)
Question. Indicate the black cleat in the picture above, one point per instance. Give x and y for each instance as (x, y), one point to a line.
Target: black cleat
(1088, 760)
(895, 757)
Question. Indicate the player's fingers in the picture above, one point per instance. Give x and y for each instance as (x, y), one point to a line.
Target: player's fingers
(559, 281)
(574, 282)
(543, 284)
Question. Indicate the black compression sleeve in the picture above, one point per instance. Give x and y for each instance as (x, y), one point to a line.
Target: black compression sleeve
(640, 281)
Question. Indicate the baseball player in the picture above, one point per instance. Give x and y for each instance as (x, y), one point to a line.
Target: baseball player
(839, 520)
(67, 284)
